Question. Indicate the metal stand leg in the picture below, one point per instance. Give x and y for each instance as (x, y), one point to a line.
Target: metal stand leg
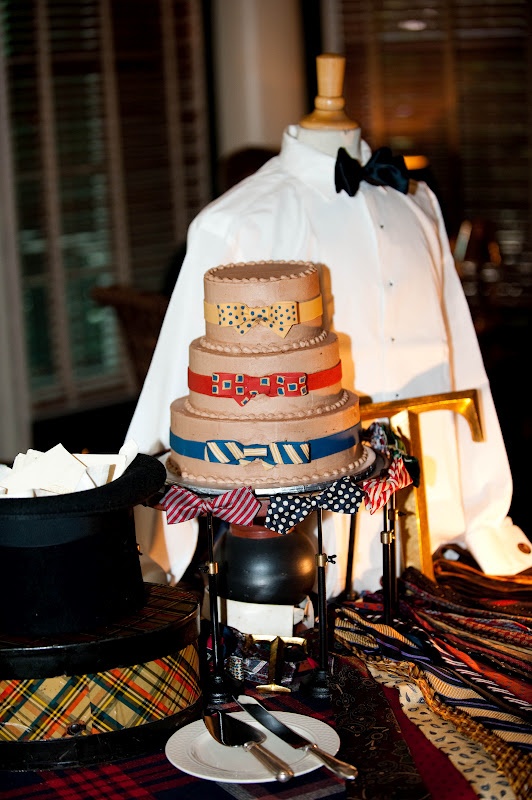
(389, 580)
(394, 595)
(221, 686)
(350, 593)
(319, 683)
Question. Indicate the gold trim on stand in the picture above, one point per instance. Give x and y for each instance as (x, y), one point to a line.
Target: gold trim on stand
(417, 547)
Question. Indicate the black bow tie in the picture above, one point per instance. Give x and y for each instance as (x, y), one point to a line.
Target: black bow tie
(383, 169)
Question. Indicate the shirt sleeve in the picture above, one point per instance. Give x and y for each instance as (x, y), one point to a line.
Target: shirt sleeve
(166, 379)
(485, 474)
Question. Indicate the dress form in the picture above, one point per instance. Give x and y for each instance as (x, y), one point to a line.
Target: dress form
(328, 127)
(386, 243)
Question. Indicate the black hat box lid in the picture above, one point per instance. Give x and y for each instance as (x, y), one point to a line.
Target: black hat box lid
(70, 562)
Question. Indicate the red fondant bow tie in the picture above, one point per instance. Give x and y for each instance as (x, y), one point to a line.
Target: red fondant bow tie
(243, 387)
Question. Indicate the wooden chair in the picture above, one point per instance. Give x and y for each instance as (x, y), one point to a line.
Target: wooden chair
(140, 314)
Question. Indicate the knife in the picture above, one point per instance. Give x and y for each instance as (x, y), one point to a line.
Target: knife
(262, 715)
(234, 732)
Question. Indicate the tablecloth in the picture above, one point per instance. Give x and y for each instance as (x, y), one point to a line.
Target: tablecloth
(397, 753)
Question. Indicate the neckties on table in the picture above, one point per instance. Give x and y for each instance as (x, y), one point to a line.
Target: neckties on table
(382, 169)
(361, 708)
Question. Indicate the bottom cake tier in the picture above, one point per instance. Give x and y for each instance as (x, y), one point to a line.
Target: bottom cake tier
(293, 450)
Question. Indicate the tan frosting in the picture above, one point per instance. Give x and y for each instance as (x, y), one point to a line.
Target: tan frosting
(307, 348)
(319, 471)
(320, 355)
(289, 413)
(250, 430)
(257, 284)
(279, 346)
(293, 424)
(252, 272)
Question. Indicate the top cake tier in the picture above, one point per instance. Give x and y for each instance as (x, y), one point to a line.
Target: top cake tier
(262, 303)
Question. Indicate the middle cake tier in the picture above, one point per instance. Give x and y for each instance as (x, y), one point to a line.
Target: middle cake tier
(286, 378)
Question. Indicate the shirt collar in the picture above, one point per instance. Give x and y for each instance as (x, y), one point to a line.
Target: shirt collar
(312, 167)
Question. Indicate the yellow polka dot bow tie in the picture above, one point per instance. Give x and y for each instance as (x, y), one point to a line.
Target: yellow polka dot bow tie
(279, 317)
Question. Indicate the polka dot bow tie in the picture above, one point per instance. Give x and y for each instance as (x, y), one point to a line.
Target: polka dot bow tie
(279, 317)
(286, 510)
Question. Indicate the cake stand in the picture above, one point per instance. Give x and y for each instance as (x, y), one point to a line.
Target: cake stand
(222, 688)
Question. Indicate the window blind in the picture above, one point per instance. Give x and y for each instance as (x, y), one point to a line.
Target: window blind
(448, 79)
(109, 134)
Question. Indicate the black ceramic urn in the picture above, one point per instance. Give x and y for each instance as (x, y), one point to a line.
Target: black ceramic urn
(257, 565)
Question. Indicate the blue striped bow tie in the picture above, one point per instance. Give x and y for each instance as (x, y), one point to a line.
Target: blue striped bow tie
(230, 452)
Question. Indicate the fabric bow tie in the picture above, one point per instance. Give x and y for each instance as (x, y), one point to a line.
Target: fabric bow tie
(383, 439)
(382, 169)
(286, 510)
(231, 452)
(239, 506)
(379, 490)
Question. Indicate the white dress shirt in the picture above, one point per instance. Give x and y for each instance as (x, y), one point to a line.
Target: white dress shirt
(394, 298)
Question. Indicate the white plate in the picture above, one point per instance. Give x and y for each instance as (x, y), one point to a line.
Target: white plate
(193, 750)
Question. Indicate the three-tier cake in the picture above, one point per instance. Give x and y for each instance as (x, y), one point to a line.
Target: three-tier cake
(266, 407)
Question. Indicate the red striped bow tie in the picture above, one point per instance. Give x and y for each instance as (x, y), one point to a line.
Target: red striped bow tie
(239, 506)
(379, 490)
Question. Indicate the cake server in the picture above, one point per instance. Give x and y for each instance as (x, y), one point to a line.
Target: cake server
(341, 768)
(234, 732)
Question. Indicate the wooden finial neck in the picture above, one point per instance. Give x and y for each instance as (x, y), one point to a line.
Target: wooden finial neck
(329, 103)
